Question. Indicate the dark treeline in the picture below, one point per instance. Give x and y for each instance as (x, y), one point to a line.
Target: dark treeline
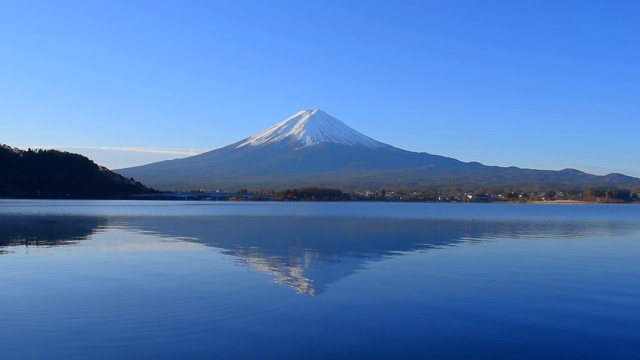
(452, 195)
(55, 174)
(500, 195)
(615, 195)
(313, 194)
(589, 195)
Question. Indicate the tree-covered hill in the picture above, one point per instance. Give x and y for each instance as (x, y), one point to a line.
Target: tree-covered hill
(53, 174)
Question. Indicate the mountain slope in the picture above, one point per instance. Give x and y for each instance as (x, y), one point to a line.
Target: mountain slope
(312, 148)
(55, 174)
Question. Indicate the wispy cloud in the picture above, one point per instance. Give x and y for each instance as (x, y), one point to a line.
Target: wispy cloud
(170, 151)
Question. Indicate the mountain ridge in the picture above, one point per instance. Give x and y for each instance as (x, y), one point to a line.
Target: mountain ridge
(312, 148)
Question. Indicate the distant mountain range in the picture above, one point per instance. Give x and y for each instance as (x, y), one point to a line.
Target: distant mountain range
(312, 148)
(52, 174)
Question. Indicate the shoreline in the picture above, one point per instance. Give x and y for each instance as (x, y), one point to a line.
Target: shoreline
(563, 202)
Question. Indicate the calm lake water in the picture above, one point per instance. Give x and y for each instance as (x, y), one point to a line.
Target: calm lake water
(205, 280)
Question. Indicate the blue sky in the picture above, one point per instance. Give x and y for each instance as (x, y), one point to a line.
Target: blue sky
(536, 84)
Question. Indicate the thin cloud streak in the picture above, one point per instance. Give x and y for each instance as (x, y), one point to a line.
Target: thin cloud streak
(171, 151)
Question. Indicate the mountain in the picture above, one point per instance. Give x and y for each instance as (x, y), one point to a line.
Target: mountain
(312, 148)
(54, 174)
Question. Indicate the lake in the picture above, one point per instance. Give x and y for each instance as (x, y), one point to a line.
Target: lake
(204, 280)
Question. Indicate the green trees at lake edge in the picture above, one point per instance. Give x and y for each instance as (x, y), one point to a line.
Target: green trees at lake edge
(52, 174)
(451, 195)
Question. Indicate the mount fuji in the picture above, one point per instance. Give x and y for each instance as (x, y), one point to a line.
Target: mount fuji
(312, 148)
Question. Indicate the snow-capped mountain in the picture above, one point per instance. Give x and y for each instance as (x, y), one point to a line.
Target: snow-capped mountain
(312, 148)
(311, 127)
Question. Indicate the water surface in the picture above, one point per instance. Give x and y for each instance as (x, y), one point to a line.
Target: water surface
(130, 280)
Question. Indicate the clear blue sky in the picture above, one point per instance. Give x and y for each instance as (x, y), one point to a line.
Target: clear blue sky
(538, 84)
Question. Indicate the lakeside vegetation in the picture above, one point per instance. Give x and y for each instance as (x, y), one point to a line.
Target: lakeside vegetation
(611, 196)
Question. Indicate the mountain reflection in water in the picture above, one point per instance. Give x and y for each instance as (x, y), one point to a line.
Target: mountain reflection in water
(309, 253)
(306, 253)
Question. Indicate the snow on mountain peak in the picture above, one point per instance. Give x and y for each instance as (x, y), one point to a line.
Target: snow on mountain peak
(311, 127)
